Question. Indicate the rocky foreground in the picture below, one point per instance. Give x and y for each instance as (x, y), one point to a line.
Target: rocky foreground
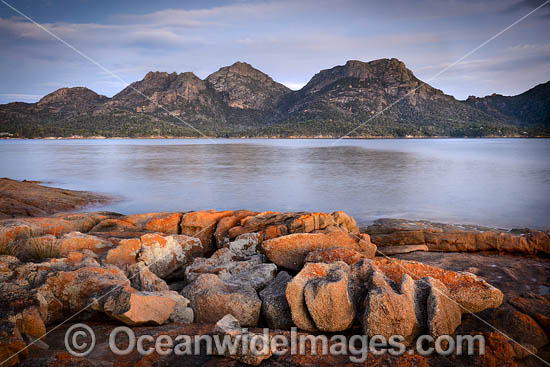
(184, 273)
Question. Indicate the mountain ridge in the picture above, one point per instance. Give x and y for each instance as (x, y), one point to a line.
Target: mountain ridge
(240, 100)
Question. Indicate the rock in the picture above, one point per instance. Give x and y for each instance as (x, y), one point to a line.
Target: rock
(469, 291)
(56, 225)
(167, 256)
(203, 225)
(311, 222)
(517, 325)
(76, 241)
(333, 255)
(257, 276)
(245, 245)
(222, 263)
(444, 314)
(125, 253)
(29, 199)
(456, 238)
(275, 308)
(295, 293)
(143, 279)
(182, 313)
(290, 251)
(114, 225)
(345, 221)
(387, 312)
(394, 250)
(229, 326)
(275, 231)
(226, 223)
(137, 308)
(538, 307)
(167, 223)
(260, 222)
(275, 224)
(329, 302)
(13, 233)
(12, 346)
(76, 289)
(211, 299)
(19, 318)
(6, 264)
(501, 351)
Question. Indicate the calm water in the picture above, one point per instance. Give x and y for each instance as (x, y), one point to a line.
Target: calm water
(496, 182)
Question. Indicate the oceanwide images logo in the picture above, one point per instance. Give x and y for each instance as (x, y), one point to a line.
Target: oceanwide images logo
(80, 341)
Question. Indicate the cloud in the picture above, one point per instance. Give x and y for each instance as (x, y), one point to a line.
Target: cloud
(289, 40)
(526, 5)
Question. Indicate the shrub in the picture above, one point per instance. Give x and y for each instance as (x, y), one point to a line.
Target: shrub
(45, 247)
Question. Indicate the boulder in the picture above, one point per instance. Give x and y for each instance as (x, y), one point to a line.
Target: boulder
(77, 289)
(457, 238)
(290, 251)
(345, 221)
(297, 300)
(329, 302)
(310, 222)
(332, 255)
(444, 314)
(167, 223)
(211, 299)
(249, 354)
(387, 312)
(114, 225)
(137, 308)
(245, 245)
(223, 263)
(77, 242)
(125, 253)
(203, 225)
(472, 293)
(517, 325)
(226, 223)
(275, 308)
(143, 279)
(167, 255)
(12, 345)
(260, 222)
(257, 276)
(538, 307)
(182, 313)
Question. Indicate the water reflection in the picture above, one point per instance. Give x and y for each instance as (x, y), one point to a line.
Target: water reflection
(503, 182)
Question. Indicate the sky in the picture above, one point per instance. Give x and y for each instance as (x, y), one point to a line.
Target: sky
(290, 40)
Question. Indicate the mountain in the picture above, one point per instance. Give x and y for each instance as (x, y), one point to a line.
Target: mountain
(529, 108)
(241, 86)
(378, 98)
(184, 96)
(360, 90)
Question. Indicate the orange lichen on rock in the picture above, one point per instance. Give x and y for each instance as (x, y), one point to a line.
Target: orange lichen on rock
(472, 293)
(202, 225)
(290, 251)
(125, 253)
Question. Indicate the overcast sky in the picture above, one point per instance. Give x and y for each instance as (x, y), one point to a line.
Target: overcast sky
(289, 40)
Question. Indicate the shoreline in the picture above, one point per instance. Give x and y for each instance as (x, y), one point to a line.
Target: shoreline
(320, 137)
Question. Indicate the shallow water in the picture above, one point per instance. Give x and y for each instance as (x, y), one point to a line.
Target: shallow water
(495, 182)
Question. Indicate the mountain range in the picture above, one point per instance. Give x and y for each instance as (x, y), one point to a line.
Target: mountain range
(383, 97)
